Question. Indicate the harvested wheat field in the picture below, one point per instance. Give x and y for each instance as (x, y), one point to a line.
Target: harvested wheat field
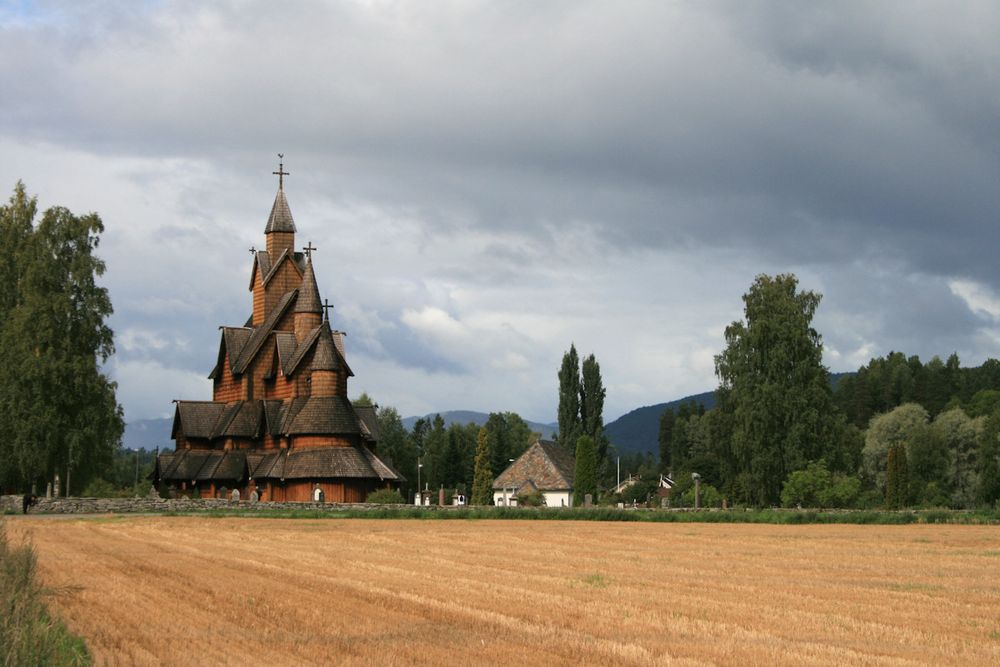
(181, 590)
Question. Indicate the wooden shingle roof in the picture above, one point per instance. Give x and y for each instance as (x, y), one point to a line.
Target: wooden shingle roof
(368, 418)
(355, 462)
(545, 464)
(333, 415)
(325, 356)
(241, 419)
(308, 301)
(261, 333)
(280, 219)
(196, 419)
(307, 344)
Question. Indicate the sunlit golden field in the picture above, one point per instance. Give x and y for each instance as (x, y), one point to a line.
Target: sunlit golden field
(179, 590)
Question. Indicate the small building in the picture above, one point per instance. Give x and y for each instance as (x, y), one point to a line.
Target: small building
(626, 484)
(545, 467)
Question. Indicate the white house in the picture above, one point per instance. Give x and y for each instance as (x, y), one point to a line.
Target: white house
(545, 467)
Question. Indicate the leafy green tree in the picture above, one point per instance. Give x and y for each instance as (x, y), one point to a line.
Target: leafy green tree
(983, 403)
(498, 432)
(396, 445)
(482, 484)
(817, 486)
(519, 435)
(592, 394)
(897, 482)
(961, 436)
(806, 487)
(570, 424)
(585, 477)
(927, 461)
(435, 446)
(664, 438)
(776, 386)
(897, 427)
(363, 401)
(988, 461)
(58, 411)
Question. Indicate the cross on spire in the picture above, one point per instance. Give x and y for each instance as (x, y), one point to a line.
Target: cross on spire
(309, 249)
(253, 250)
(327, 307)
(281, 173)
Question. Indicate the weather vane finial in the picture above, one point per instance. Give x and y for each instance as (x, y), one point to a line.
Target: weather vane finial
(281, 173)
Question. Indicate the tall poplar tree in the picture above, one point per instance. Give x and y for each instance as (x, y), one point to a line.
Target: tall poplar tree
(585, 475)
(570, 424)
(482, 482)
(58, 411)
(774, 382)
(592, 395)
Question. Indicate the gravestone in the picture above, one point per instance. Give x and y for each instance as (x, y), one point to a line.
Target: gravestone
(588, 500)
(236, 495)
(253, 496)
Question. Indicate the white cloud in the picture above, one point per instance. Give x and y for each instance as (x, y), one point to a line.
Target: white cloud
(979, 298)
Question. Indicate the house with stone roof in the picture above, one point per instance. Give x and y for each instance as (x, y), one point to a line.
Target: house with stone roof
(279, 421)
(544, 467)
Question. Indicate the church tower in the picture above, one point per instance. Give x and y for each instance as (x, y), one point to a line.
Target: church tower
(279, 422)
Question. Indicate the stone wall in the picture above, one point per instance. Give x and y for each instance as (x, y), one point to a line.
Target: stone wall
(12, 504)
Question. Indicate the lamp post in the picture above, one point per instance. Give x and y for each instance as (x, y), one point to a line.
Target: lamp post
(420, 492)
(697, 489)
(136, 485)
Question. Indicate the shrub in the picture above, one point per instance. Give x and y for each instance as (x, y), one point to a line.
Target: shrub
(100, 488)
(709, 497)
(385, 497)
(531, 499)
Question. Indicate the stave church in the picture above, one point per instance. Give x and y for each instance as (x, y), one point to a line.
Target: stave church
(279, 426)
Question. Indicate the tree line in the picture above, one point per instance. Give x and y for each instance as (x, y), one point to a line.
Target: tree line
(897, 433)
(447, 454)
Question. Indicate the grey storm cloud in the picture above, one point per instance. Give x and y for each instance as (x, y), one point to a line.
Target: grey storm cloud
(474, 166)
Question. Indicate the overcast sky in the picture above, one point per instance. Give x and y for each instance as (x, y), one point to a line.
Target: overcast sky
(489, 182)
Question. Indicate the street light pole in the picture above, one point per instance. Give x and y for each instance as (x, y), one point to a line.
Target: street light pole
(136, 485)
(420, 492)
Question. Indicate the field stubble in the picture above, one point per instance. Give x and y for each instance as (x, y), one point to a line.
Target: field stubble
(183, 590)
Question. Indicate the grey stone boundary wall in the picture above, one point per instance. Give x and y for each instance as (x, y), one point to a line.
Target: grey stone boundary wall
(73, 505)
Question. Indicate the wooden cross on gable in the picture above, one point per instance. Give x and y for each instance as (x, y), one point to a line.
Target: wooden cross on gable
(327, 307)
(281, 173)
(309, 249)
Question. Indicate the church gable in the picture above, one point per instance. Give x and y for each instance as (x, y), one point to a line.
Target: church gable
(261, 333)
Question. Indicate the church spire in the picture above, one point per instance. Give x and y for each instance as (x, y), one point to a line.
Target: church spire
(308, 308)
(308, 301)
(280, 219)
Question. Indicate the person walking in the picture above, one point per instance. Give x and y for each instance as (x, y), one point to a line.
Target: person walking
(27, 501)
